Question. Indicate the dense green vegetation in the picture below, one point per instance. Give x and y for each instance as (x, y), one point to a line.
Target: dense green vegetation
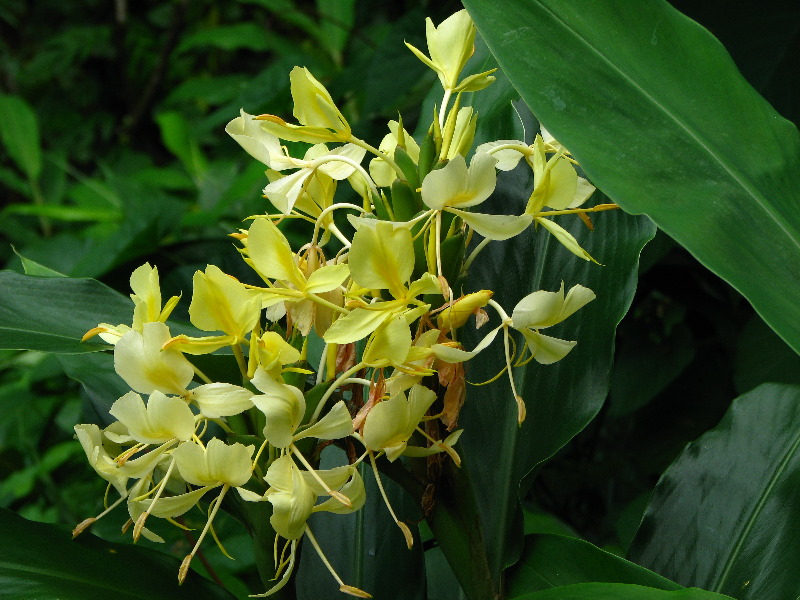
(114, 155)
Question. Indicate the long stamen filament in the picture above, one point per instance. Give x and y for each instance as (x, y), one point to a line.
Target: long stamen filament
(184, 568)
(332, 493)
(403, 527)
(331, 390)
(137, 528)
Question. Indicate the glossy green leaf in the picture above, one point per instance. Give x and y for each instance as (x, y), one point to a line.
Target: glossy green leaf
(51, 314)
(41, 561)
(100, 381)
(725, 516)
(550, 561)
(617, 591)
(561, 398)
(657, 114)
(19, 132)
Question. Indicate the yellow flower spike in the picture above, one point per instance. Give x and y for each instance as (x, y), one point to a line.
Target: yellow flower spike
(320, 120)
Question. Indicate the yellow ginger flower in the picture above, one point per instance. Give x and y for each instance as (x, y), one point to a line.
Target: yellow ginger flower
(382, 258)
(145, 367)
(146, 302)
(162, 419)
(320, 120)
(542, 309)
(455, 187)
(250, 135)
(390, 424)
(216, 464)
(450, 46)
(456, 315)
(271, 256)
(219, 303)
(284, 407)
(293, 493)
(338, 164)
(382, 173)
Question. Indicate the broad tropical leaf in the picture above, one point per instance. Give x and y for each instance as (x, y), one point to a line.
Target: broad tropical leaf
(41, 561)
(656, 112)
(725, 516)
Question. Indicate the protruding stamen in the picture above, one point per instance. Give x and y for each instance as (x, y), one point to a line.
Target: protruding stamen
(332, 493)
(86, 523)
(347, 589)
(403, 527)
(137, 528)
(188, 559)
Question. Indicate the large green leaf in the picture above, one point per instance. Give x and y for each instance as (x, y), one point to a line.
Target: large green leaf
(553, 560)
(561, 398)
(656, 112)
(617, 591)
(51, 314)
(726, 514)
(41, 561)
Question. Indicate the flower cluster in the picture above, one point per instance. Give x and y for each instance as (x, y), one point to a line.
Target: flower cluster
(378, 283)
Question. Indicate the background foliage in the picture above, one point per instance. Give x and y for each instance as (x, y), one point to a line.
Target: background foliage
(113, 155)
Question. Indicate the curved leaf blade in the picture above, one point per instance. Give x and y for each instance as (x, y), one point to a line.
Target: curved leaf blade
(554, 560)
(618, 591)
(561, 398)
(41, 561)
(726, 514)
(657, 114)
(51, 314)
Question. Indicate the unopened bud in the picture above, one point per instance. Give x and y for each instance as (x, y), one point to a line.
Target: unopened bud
(457, 314)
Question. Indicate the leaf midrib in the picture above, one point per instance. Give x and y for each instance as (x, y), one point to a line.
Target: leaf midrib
(736, 550)
(760, 200)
